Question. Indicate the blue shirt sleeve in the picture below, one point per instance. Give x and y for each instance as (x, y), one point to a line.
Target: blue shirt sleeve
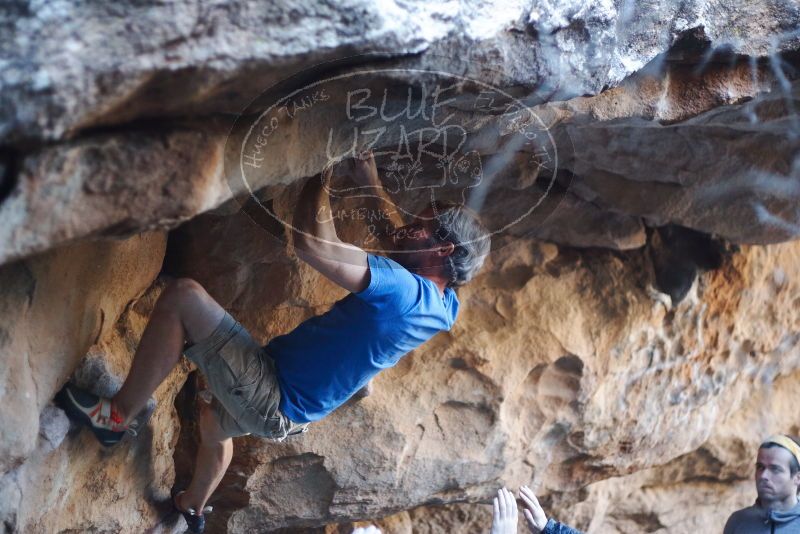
(392, 289)
(554, 527)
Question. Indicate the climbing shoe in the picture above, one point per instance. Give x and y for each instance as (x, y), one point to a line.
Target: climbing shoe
(95, 412)
(195, 521)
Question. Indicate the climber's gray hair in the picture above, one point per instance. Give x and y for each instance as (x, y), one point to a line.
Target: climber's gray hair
(462, 227)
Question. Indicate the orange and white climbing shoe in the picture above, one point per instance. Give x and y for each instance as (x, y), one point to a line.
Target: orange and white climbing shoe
(95, 412)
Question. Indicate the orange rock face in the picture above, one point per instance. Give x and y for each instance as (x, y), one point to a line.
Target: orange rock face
(623, 351)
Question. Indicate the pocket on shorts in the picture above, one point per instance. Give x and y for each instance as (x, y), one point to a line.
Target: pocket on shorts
(241, 360)
(247, 382)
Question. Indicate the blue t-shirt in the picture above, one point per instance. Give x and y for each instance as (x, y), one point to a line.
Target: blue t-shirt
(327, 358)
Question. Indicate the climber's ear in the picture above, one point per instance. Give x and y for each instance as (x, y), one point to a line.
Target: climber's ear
(445, 248)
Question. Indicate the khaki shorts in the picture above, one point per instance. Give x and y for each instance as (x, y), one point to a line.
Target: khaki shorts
(242, 378)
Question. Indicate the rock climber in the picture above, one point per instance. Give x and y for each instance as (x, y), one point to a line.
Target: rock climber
(776, 510)
(396, 303)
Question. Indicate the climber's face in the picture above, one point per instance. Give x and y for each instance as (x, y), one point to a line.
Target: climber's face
(415, 244)
(775, 482)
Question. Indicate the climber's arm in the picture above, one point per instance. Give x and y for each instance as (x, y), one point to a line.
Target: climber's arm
(383, 216)
(316, 242)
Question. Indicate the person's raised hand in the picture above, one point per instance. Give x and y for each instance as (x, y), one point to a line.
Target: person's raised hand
(504, 513)
(363, 170)
(534, 515)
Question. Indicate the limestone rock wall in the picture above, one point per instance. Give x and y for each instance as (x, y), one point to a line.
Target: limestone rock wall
(532, 385)
(567, 369)
(78, 309)
(74, 64)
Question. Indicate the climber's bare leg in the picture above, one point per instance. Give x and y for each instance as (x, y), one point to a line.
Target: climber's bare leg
(213, 457)
(183, 311)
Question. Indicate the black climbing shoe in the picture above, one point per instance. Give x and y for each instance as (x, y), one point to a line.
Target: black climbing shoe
(195, 521)
(94, 412)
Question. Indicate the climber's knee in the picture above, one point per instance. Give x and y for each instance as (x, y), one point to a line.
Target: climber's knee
(210, 429)
(182, 291)
(199, 313)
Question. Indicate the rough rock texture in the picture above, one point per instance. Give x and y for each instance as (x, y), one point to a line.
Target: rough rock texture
(687, 182)
(71, 64)
(93, 488)
(620, 166)
(62, 308)
(566, 369)
(529, 385)
(54, 307)
(110, 186)
(695, 492)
